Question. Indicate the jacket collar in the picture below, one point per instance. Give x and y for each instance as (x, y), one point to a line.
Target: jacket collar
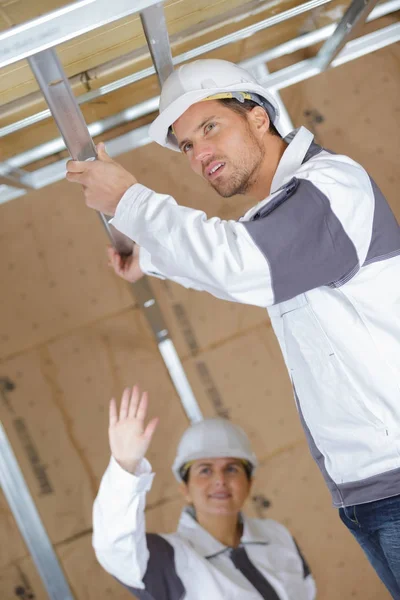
(205, 544)
(299, 142)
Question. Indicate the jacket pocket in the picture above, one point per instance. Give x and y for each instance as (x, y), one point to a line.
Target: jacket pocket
(326, 392)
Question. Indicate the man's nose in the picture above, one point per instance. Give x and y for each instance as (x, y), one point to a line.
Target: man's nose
(202, 152)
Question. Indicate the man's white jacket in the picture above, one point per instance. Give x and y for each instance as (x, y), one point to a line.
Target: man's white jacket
(322, 254)
(190, 564)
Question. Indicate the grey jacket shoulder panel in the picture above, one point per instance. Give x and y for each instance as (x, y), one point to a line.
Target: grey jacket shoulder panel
(385, 240)
(161, 579)
(303, 241)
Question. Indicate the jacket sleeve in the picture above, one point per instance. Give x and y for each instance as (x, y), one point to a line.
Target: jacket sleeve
(148, 268)
(182, 245)
(119, 536)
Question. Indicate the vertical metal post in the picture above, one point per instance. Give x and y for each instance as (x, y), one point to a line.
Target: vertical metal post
(30, 524)
(155, 30)
(67, 114)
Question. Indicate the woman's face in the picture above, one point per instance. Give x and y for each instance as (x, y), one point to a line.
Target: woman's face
(217, 486)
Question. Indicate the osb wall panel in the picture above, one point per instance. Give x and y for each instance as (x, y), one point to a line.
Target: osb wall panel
(245, 379)
(56, 417)
(45, 447)
(289, 488)
(20, 581)
(198, 321)
(95, 364)
(54, 268)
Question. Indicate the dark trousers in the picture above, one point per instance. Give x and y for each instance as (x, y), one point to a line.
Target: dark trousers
(376, 527)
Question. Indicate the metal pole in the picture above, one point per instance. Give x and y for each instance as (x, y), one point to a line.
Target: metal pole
(57, 91)
(155, 30)
(353, 18)
(29, 522)
(67, 114)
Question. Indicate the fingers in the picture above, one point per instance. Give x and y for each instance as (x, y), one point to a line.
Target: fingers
(110, 252)
(133, 406)
(76, 166)
(102, 154)
(151, 427)
(114, 259)
(134, 401)
(142, 408)
(123, 409)
(76, 177)
(113, 413)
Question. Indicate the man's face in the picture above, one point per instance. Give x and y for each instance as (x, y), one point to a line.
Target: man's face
(221, 146)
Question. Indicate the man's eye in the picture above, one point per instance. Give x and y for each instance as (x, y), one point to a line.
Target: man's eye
(209, 126)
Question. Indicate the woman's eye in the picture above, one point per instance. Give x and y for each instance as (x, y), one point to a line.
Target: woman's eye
(232, 468)
(209, 126)
(205, 471)
(186, 148)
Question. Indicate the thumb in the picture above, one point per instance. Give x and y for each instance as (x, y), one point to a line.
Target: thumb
(102, 154)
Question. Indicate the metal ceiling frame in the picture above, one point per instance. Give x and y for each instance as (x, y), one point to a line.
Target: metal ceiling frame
(274, 81)
(34, 40)
(181, 58)
(59, 26)
(29, 523)
(277, 80)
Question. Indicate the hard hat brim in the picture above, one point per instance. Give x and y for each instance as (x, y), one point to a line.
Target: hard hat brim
(178, 464)
(159, 129)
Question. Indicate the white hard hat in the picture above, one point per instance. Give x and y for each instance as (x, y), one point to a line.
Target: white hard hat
(198, 80)
(213, 438)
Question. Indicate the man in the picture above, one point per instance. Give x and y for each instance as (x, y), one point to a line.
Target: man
(320, 250)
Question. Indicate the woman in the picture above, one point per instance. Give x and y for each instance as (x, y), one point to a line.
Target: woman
(216, 553)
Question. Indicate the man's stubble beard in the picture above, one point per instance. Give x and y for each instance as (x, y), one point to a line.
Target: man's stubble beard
(245, 172)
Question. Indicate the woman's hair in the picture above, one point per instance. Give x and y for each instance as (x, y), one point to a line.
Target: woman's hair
(242, 108)
(185, 471)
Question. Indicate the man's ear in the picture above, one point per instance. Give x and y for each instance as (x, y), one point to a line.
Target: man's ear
(259, 121)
